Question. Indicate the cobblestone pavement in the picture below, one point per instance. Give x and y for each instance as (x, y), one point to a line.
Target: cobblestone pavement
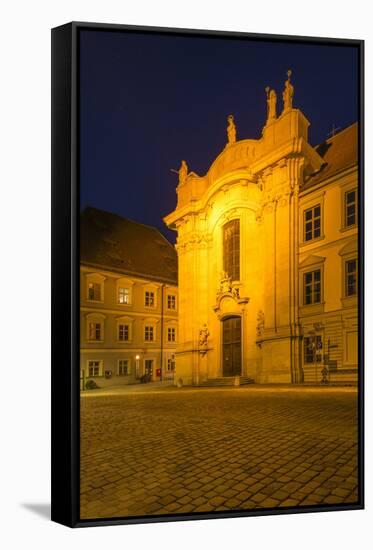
(173, 451)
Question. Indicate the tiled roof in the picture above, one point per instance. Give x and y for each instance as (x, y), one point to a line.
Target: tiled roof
(110, 242)
(339, 152)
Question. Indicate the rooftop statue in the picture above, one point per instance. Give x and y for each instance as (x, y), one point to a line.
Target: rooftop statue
(271, 105)
(231, 130)
(183, 172)
(288, 93)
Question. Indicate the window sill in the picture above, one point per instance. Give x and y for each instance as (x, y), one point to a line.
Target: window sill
(348, 228)
(349, 301)
(311, 309)
(124, 341)
(95, 341)
(95, 301)
(312, 241)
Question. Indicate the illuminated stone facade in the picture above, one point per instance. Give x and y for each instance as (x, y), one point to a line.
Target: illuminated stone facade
(264, 241)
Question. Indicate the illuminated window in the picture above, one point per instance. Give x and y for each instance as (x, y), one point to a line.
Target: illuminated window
(350, 207)
(231, 249)
(94, 368)
(351, 277)
(312, 223)
(94, 331)
(171, 301)
(123, 333)
(149, 333)
(94, 292)
(312, 287)
(171, 334)
(149, 298)
(124, 367)
(124, 295)
(311, 345)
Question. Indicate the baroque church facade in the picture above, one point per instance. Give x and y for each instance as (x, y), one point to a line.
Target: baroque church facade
(267, 245)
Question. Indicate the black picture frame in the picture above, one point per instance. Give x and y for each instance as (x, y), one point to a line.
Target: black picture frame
(65, 275)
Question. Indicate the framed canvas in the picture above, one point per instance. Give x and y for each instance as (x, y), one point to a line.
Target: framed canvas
(207, 277)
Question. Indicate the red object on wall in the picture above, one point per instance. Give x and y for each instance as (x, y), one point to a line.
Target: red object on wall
(158, 371)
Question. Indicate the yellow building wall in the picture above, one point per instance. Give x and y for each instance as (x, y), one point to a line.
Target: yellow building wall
(110, 312)
(260, 183)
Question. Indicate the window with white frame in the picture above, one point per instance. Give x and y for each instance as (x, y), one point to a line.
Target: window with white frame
(171, 334)
(124, 367)
(123, 332)
(95, 327)
(124, 295)
(350, 208)
(94, 368)
(94, 330)
(149, 298)
(149, 333)
(171, 364)
(312, 345)
(94, 287)
(171, 301)
(350, 271)
(312, 223)
(351, 277)
(94, 292)
(312, 287)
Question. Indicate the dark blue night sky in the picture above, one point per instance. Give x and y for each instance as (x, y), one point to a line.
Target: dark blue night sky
(148, 101)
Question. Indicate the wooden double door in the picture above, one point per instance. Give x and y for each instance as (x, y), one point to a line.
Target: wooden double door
(232, 346)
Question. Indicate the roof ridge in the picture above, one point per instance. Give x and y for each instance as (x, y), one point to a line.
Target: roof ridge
(341, 132)
(88, 207)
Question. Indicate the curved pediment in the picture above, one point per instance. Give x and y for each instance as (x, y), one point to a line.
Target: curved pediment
(234, 157)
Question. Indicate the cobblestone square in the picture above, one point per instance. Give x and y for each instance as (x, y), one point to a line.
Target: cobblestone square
(176, 451)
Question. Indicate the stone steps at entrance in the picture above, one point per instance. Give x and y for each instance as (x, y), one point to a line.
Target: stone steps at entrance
(227, 381)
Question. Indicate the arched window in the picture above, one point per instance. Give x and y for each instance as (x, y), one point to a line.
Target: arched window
(231, 249)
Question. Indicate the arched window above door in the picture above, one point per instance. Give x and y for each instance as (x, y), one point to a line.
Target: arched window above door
(231, 249)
